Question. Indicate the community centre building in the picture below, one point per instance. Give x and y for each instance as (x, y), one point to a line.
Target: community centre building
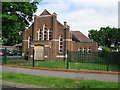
(47, 38)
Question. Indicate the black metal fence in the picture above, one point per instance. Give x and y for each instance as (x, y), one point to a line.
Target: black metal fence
(104, 61)
(72, 60)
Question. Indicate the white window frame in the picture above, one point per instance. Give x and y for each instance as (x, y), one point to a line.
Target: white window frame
(38, 34)
(48, 33)
(29, 37)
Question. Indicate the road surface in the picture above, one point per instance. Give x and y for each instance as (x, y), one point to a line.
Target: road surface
(72, 75)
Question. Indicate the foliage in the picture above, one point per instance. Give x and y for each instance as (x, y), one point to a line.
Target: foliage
(106, 36)
(106, 49)
(55, 82)
(15, 18)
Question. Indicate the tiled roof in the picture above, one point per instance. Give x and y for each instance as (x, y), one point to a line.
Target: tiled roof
(81, 37)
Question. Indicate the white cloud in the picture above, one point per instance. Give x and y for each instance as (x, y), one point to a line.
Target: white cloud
(53, 7)
(83, 15)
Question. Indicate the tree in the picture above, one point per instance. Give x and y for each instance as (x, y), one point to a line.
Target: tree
(16, 16)
(106, 36)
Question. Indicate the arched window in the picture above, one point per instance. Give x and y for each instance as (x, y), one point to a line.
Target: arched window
(50, 34)
(89, 50)
(45, 32)
(60, 44)
(80, 50)
(29, 39)
(84, 50)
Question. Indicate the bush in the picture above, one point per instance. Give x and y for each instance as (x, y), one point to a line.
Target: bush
(106, 49)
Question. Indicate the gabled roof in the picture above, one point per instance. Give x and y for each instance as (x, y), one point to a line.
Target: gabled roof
(81, 37)
(45, 12)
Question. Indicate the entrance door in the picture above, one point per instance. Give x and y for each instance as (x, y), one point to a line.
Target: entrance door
(38, 53)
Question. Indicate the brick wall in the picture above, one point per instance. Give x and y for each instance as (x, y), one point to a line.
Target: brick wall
(52, 45)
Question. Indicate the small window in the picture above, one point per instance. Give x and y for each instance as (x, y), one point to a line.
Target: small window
(84, 50)
(89, 50)
(80, 50)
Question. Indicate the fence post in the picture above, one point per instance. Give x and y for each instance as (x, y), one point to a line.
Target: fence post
(5, 56)
(107, 54)
(67, 59)
(33, 64)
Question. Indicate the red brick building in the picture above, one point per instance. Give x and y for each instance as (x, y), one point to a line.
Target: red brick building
(47, 35)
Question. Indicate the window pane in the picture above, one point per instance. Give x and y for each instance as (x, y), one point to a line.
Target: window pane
(60, 43)
(61, 39)
(45, 31)
(60, 50)
(60, 47)
(44, 38)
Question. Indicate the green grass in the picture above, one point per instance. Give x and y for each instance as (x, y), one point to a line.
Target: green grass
(54, 82)
(73, 65)
(1, 42)
(0, 75)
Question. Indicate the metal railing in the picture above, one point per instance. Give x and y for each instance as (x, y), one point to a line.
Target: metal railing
(73, 60)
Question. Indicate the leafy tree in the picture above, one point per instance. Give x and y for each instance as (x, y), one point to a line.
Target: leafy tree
(94, 35)
(106, 36)
(15, 18)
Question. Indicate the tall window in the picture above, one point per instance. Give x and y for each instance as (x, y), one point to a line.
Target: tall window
(40, 35)
(49, 34)
(29, 39)
(60, 44)
(45, 31)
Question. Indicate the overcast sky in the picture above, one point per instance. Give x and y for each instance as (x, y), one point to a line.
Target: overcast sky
(83, 15)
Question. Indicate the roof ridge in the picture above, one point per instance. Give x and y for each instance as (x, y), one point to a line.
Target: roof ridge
(81, 36)
(45, 12)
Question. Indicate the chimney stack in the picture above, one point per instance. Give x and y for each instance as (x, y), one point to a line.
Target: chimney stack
(65, 23)
(54, 14)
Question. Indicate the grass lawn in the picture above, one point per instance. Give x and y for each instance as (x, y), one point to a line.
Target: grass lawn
(73, 65)
(54, 82)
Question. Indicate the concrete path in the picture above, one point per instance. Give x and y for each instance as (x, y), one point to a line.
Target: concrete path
(72, 75)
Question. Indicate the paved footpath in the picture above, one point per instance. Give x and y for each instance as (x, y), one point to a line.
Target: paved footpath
(72, 75)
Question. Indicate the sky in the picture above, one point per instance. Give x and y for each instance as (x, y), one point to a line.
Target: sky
(83, 15)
